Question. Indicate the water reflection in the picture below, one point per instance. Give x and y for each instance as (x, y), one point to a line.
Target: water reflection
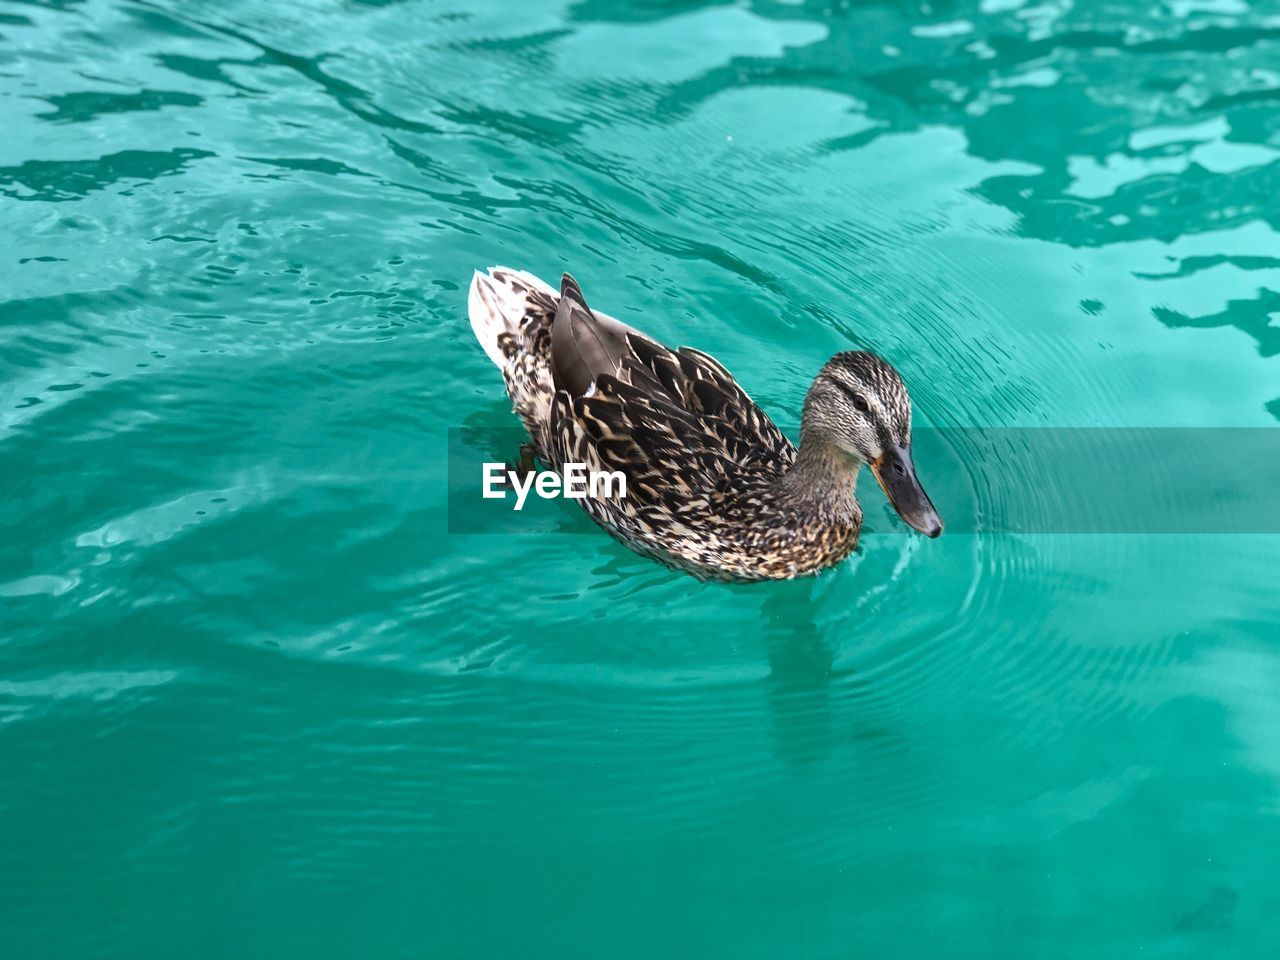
(52, 180)
(801, 673)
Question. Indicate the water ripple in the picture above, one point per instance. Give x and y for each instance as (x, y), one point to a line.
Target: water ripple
(235, 347)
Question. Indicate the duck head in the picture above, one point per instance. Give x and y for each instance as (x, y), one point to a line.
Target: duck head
(858, 406)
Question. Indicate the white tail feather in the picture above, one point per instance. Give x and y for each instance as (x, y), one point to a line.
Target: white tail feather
(496, 306)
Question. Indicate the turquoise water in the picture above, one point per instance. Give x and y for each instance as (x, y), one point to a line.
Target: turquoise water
(257, 699)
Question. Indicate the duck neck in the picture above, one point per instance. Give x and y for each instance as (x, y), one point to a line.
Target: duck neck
(824, 476)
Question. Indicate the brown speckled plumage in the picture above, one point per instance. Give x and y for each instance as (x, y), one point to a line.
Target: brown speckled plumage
(713, 486)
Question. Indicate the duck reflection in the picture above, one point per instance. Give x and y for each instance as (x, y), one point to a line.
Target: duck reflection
(817, 706)
(801, 673)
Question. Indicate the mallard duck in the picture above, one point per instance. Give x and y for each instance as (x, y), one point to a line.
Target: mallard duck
(712, 485)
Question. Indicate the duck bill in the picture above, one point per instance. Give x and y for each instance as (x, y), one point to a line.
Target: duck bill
(897, 476)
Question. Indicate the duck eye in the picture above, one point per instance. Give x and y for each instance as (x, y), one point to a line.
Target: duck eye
(858, 399)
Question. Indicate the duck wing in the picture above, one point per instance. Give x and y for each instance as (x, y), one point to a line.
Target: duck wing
(675, 421)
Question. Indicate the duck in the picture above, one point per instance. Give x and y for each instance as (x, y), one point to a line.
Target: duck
(713, 487)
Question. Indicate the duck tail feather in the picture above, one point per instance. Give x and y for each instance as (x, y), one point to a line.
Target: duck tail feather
(496, 303)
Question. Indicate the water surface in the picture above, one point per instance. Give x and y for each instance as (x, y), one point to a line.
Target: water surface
(257, 699)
